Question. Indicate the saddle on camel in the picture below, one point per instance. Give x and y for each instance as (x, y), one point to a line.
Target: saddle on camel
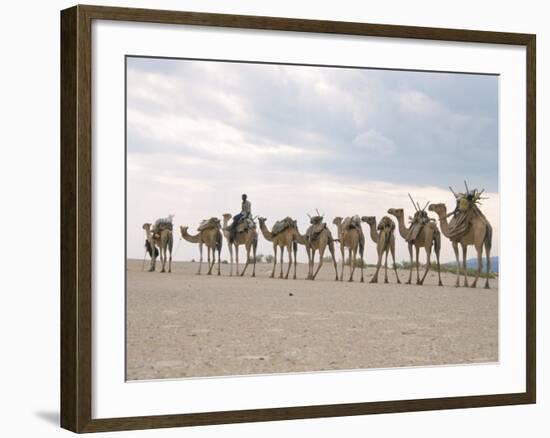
(418, 221)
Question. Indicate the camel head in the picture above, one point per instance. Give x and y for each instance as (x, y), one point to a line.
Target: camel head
(146, 226)
(261, 220)
(371, 220)
(439, 209)
(337, 221)
(183, 230)
(227, 216)
(397, 212)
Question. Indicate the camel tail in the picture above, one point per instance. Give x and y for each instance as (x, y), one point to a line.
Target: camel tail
(489, 237)
(150, 249)
(294, 246)
(219, 243)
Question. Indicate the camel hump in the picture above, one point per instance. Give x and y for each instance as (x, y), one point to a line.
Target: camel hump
(206, 224)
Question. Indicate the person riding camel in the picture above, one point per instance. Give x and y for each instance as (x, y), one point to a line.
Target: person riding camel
(246, 212)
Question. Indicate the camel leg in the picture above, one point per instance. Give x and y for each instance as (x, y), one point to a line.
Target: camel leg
(295, 249)
(282, 261)
(170, 248)
(209, 264)
(200, 259)
(230, 259)
(386, 267)
(247, 260)
(488, 259)
(464, 270)
(331, 250)
(321, 254)
(289, 250)
(374, 279)
(411, 265)
(479, 250)
(392, 249)
(440, 283)
(237, 260)
(219, 261)
(352, 256)
(311, 265)
(457, 256)
(342, 250)
(254, 248)
(362, 267)
(274, 260)
(417, 248)
(428, 263)
(161, 256)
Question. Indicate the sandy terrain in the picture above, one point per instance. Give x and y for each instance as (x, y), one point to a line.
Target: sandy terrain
(181, 324)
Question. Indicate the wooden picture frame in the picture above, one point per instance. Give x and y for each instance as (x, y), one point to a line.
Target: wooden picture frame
(76, 218)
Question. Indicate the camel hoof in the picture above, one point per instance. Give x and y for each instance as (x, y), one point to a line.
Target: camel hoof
(408, 282)
(373, 280)
(362, 280)
(253, 275)
(386, 281)
(487, 287)
(219, 273)
(398, 281)
(440, 283)
(473, 286)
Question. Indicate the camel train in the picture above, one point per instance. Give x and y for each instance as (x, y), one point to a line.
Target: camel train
(467, 227)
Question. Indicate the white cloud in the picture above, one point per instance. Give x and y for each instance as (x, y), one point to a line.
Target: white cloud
(374, 141)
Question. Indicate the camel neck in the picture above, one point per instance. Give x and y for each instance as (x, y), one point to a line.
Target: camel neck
(373, 234)
(443, 224)
(191, 238)
(266, 233)
(403, 230)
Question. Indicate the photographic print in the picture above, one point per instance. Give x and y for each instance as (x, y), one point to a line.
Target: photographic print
(289, 218)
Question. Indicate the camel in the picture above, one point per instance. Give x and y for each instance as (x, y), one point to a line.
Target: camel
(427, 237)
(479, 234)
(385, 243)
(284, 239)
(250, 241)
(164, 241)
(317, 240)
(212, 238)
(353, 239)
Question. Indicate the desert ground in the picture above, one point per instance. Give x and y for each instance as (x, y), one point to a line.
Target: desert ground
(185, 325)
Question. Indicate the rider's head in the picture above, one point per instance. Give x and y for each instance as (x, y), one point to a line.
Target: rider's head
(244, 197)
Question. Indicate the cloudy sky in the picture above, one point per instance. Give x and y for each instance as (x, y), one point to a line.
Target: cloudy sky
(296, 138)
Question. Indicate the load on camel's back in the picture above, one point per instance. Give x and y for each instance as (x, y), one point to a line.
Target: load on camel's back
(282, 225)
(206, 224)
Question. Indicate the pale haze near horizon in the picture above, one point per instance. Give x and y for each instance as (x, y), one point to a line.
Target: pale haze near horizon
(297, 139)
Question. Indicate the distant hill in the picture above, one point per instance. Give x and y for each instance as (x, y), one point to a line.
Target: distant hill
(472, 263)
